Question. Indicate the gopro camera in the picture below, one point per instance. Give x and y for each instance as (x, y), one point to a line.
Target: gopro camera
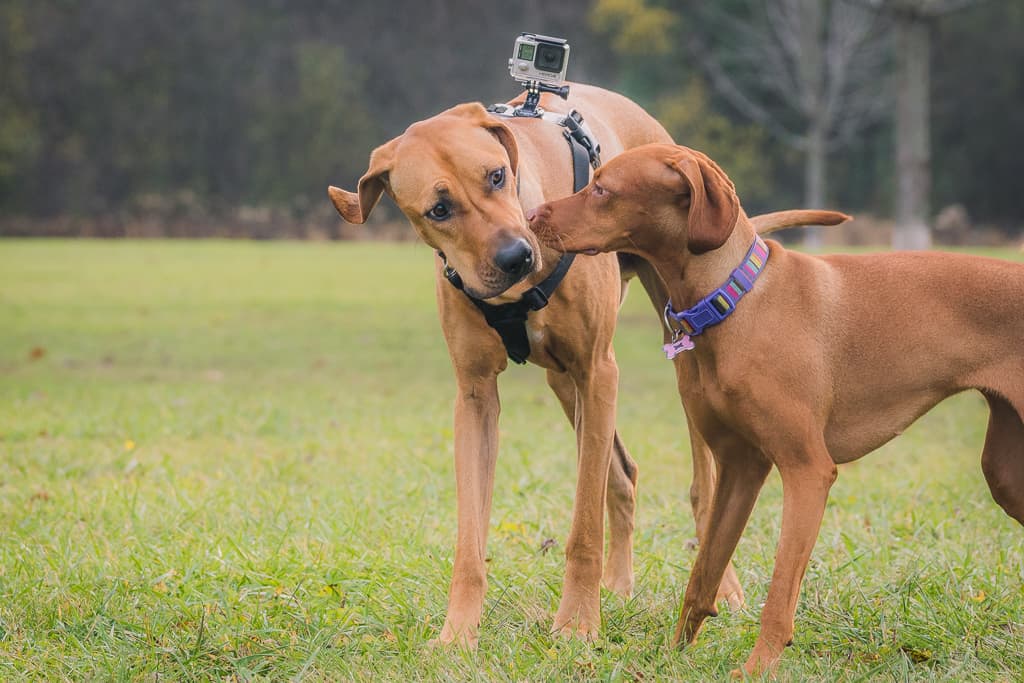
(539, 59)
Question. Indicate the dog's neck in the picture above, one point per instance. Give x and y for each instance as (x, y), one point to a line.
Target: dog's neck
(690, 277)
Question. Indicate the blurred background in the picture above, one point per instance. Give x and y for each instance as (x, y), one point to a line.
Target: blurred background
(230, 118)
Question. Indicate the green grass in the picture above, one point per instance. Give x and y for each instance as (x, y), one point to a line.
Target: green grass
(229, 460)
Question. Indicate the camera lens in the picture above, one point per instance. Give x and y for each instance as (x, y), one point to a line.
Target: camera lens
(549, 58)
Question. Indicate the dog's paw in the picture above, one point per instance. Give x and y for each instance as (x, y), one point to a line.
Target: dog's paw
(730, 590)
(588, 633)
(761, 664)
(734, 599)
(621, 584)
(743, 674)
(465, 638)
(580, 621)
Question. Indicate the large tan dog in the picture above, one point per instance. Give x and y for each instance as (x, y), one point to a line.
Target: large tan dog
(455, 177)
(861, 346)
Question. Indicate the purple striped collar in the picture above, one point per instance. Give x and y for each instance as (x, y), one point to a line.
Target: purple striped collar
(719, 304)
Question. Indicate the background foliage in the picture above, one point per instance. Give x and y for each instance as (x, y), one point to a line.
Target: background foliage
(111, 107)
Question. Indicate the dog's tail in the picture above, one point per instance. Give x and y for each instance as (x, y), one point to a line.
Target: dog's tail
(770, 222)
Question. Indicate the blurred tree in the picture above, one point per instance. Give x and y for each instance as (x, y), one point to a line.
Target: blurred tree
(636, 29)
(810, 71)
(652, 67)
(689, 117)
(977, 132)
(913, 21)
(19, 133)
(107, 105)
(314, 130)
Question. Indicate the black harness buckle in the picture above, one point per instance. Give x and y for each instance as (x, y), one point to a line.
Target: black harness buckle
(534, 299)
(575, 132)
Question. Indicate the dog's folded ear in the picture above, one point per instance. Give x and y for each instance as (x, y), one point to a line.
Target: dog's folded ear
(479, 114)
(354, 207)
(714, 207)
(507, 140)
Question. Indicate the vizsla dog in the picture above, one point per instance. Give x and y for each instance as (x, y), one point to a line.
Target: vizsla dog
(463, 178)
(860, 347)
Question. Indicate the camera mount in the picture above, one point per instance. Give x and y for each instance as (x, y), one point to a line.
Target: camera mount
(539, 64)
(529, 108)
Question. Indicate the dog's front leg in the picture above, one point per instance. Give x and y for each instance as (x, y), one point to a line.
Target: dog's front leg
(702, 491)
(742, 471)
(807, 478)
(476, 452)
(579, 612)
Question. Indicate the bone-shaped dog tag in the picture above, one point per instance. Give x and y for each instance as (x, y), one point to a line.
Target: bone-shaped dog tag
(678, 346)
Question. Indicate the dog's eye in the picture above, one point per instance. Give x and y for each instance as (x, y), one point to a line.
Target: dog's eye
(439, 212)
(598, 190)
(498, 178)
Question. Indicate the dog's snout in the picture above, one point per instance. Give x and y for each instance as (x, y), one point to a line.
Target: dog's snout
(538, 214)
(515, 258)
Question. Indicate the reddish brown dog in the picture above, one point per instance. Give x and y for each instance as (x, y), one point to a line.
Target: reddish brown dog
(455, 177)
(861, 346)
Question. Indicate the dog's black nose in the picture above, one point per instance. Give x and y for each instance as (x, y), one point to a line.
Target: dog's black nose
(515, 258)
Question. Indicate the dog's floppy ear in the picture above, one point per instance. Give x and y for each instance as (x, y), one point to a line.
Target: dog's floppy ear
(507, 140)
(356, 206)
(714, 207)
(480, 115)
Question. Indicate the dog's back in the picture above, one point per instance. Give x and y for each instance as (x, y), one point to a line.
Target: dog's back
(922, 324)
(617, 122)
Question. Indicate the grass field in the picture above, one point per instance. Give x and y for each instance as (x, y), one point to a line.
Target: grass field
(233, 460)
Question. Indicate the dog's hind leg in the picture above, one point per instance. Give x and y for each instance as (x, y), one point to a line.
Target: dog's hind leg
(620, 496)
(1003, 457)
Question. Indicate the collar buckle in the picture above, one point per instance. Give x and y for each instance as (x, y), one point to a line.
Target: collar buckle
(719, 304)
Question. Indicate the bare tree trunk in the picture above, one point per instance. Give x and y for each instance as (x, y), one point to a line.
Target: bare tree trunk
(814, 178)
(811, 68)
(913, 153)
(820, 59)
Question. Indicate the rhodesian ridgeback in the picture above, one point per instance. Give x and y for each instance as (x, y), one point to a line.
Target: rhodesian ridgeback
(463, 178)
(860, 347)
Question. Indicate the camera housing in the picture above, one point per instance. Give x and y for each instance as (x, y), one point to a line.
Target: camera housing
(540, 59)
